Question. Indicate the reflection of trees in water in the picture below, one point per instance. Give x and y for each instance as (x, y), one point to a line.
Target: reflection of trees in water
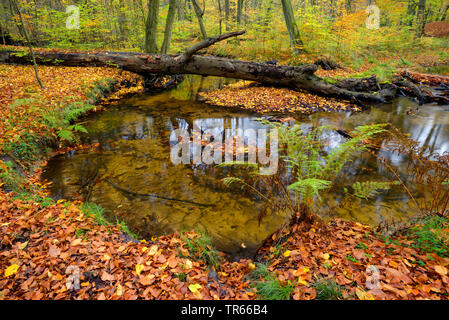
(136, 154)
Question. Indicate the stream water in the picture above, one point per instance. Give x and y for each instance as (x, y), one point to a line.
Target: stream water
(131, 174)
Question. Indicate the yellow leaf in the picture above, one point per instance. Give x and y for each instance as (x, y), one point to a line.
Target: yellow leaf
(302, 282)
(442, 271)
(251, 266)
(326, 256)
(139, 269)
(12, 269)
(362, 295)
(23, 245)
(189, 264)
(119, 291)
(153, 250)
(76, 242)
(194, 287)
(287, 253)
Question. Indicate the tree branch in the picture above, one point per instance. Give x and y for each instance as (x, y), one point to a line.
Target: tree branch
(207, 43)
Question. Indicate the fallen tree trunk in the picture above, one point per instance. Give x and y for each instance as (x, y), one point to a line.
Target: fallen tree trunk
(296, 77)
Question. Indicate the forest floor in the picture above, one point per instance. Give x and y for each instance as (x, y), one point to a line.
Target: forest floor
(45, 245)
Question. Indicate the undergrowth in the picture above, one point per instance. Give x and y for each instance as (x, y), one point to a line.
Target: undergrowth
(97, 212)
(431, 234)
(200, 248)
(268, 287)
(327, 289)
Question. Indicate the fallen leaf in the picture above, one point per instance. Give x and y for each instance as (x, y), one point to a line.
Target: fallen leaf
(12, 269)
(194, 287)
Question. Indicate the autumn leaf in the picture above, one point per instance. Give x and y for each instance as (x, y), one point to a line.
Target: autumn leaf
(188, 264)
(442, 271)
(153, 250)
(287, 253)
(107, 276)
(119, 291)
(76, 242)
(194, 287)
(302, 282)
(147, 280)
(361, 294)
(139, 269)
(54, 251)
(12, 269)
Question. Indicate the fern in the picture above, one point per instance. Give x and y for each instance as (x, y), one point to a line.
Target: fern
(308, 188)
(65, 134)
(369, 189)
(229, 181)
(77, 128)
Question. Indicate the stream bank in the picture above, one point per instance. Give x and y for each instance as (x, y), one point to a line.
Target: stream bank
(164, 268)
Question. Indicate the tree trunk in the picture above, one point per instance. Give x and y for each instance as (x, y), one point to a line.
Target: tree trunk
(227, 13)
(169, 25)
(295, 77)
(239, 11)
(292, 28)
(27, 38)
(151, 26)
(421, 20)
(199, 15)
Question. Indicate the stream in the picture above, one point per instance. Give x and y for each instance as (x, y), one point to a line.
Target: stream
(131, 173)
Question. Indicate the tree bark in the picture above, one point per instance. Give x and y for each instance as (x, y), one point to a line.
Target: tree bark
(151, 26)
(199, 15)
(173, 5)
(295, 77)
(239, 11)
(30, 47)
(292, 28)
(421, 18)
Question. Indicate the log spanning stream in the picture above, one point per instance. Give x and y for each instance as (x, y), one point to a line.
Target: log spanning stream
(131, 173)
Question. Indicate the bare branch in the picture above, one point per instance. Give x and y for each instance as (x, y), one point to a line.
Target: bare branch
(207, 43)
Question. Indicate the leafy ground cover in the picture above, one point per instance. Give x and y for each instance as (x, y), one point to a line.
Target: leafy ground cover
(32, 119)
(261, 99)
(45, 245)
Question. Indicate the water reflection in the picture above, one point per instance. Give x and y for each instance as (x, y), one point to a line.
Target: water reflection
(131, 174)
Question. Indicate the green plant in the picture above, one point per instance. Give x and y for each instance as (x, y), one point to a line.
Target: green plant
(96, 212)
(430, 235)
(61, 121)
(10, 178)
(100, 89)
(307, 168)
(125, 229)
(181, 276)
(327, 289)
(369, 189)
(268, 287)
(351, 258)
(200, 248)
(42, 200)
(22, 147)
